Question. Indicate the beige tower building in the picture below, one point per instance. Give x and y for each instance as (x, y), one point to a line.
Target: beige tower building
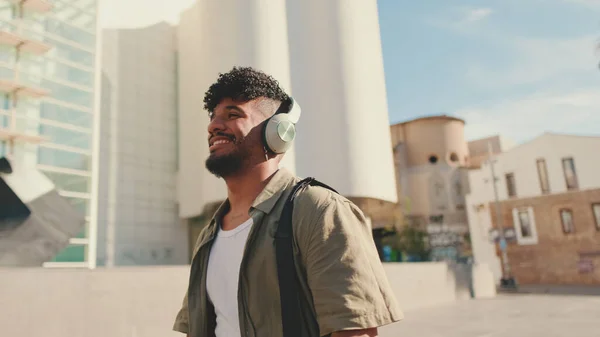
(431, 157)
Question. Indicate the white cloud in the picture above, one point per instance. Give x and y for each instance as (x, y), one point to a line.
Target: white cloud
(561, 70)
(477, 14)
(536, 60)
(529, 60)
(576, 112)
(460, 19)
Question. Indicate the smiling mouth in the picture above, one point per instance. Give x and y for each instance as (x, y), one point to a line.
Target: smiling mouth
(219, 142)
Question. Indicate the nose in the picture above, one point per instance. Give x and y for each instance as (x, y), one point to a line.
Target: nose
(215, 125)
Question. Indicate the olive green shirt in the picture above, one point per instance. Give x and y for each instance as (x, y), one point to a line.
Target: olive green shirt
(343, 282)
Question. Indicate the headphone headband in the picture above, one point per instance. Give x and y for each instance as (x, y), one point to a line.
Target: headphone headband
(279, 130)
(291, 108)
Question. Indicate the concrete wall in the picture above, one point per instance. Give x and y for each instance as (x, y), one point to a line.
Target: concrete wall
(138, 223)
(423, 285)
(143, 301)
(434, 189)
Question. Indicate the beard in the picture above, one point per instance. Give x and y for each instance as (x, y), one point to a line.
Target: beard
(228, 164)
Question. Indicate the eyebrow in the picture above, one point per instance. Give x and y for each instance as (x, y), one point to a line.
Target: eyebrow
(233, 107)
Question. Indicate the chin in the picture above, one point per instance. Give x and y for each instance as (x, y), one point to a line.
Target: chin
(216, 155)
(223, 165)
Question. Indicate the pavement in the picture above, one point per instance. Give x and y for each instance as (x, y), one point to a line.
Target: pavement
(560, 290)
(507, 315)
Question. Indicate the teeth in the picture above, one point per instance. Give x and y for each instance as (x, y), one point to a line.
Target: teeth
(221, 142)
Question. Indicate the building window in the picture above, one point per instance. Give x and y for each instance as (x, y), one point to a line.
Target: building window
(566, 219)
(524, 222)
(596, 211)
(511, 185)
(570, 174)
(543, 176)
(453, 157)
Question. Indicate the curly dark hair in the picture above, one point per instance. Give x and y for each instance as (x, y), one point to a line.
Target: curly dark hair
(243, 84)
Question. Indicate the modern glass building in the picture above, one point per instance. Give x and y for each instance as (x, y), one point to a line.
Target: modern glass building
(48, 102)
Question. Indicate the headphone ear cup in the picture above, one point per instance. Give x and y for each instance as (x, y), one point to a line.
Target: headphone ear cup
(279, 133)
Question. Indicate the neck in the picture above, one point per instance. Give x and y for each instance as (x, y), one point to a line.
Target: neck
(242, 189)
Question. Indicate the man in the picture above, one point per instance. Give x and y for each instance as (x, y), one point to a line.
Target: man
(234, 287)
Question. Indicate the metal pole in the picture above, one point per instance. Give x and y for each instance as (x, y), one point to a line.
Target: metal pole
(507, 279)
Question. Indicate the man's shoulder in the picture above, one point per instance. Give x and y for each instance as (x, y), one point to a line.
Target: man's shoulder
(315, 199)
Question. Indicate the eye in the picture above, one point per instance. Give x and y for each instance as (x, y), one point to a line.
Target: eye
(233, 115)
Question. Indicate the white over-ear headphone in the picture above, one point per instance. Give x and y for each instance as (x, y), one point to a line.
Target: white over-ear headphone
(280, 129)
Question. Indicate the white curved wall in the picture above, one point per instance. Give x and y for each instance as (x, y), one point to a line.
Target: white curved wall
(440, 136)
(213, 37)
(337, 75)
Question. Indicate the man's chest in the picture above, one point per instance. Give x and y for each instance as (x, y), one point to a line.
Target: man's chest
(243, 275)
(224, 262)
(257, 285)
(222, 279)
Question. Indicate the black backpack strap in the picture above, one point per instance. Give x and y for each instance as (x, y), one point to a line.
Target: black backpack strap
(286, 269)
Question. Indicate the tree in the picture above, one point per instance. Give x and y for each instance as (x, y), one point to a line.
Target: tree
(411, 241)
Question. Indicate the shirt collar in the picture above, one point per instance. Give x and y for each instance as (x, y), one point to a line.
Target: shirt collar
(221, 211)
(266, 200)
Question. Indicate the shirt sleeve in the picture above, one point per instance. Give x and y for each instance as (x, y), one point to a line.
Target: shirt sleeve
(345, 275)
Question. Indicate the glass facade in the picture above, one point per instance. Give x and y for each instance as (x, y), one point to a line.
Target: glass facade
(63, 117)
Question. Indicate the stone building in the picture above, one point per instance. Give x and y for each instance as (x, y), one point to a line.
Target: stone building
(431, 158)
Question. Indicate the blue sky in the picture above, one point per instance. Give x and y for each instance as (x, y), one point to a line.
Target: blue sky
(512, 67)
(517, 68)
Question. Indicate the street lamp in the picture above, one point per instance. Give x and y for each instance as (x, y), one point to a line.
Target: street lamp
(507, 281)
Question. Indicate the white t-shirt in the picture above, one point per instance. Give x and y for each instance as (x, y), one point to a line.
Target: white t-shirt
(223, 276)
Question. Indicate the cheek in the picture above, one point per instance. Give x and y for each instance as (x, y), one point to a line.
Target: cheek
(252, 132)
(253, 140)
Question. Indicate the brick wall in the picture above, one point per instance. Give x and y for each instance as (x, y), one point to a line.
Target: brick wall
(556, 256)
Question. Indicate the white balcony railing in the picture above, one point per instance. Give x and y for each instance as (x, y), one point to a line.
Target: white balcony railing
(38, 6)
(16, 35)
